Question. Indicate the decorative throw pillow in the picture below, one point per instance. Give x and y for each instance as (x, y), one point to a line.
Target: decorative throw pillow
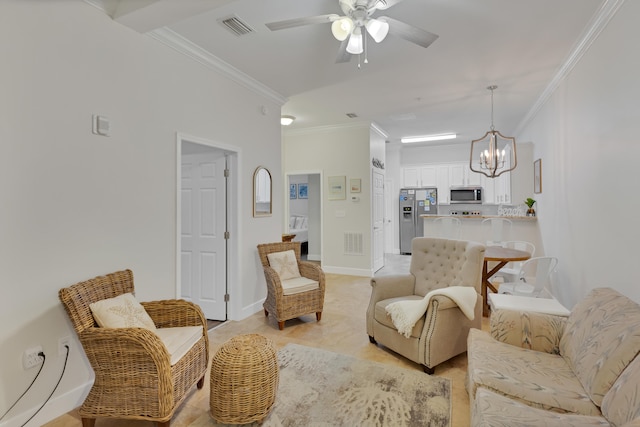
(285, 264)
(123, 311)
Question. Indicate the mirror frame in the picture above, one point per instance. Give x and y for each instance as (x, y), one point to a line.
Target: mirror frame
(257, 213)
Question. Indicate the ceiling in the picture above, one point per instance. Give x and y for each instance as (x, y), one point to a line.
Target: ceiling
(405, 89)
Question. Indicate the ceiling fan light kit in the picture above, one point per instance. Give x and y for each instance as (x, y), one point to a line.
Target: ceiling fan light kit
(342, 28)
(355, 46)
(378, 29)
(357, 22)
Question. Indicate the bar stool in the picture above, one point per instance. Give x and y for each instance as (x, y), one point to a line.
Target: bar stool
(496, 230)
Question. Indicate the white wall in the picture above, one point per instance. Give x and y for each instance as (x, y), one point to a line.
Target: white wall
(587, 138)
(337, 151)
(76, 205)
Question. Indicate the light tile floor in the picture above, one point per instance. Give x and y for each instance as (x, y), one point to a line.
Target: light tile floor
(342, 330)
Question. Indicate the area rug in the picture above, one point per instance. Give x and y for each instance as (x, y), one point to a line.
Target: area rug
(323, 388)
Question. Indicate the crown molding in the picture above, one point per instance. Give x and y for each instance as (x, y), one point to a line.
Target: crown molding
(598, 22)
(327, 128)
(376, 128)
(195, 52)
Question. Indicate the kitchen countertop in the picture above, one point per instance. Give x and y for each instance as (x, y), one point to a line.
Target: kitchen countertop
(512, 218)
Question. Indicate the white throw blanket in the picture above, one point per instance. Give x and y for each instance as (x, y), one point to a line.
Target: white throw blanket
(405, 314)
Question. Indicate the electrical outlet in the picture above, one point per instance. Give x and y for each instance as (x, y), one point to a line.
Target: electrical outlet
(62, 342)
(30, 357)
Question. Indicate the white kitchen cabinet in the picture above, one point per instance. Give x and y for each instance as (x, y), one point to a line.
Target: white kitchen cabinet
(443, 184)
(460, 174)
(443, 176)
(410, 177)
(429, 176)
(420, 176)
(456, 175)
(497, 191)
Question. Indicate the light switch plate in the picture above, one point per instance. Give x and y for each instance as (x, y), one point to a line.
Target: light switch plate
(101, 125)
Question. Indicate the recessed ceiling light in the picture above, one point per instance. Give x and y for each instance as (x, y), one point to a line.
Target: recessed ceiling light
(286, 120)
(427, 138)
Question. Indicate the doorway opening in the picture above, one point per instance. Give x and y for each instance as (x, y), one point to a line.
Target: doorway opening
(304, 207)
(207, 226)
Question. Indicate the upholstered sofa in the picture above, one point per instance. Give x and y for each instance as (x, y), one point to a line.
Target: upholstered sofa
(535, 369)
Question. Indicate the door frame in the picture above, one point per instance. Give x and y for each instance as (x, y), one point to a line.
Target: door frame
(286, 202)
(234, 183)
(374, 171)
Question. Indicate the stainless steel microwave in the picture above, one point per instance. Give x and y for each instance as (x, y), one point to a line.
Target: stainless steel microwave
(466, 195)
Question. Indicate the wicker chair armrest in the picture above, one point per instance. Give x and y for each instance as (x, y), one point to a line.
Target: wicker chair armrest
(273, 282)
(114, 349)
(174, 313)
(535, 331)
(311, 271)
(391, 286)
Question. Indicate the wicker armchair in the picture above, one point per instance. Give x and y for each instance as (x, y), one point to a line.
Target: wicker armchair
(133, 375)
(285, 307)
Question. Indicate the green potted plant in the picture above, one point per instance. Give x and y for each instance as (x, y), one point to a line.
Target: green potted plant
(530, 202)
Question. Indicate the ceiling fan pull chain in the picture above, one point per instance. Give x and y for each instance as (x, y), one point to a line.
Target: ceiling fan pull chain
(365, 44)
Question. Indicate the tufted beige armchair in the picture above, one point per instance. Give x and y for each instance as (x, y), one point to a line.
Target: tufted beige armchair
(442, 332)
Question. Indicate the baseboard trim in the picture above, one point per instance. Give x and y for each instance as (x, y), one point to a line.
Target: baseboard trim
(57, 406)
(348, 271)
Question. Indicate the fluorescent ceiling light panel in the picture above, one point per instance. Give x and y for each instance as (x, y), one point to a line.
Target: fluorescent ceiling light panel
(427, 138)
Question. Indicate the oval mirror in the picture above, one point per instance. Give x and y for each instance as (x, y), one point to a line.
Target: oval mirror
(261, 192)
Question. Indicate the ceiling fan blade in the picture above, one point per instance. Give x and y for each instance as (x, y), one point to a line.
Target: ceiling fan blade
(408, 32)
(343, 55)
(298, 22)
(386, 4)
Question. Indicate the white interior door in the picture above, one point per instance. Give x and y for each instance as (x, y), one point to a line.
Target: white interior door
(389, 208)
(203, 243)
(378, 220)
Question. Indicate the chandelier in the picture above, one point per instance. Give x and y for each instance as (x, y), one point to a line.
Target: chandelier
(493, 154)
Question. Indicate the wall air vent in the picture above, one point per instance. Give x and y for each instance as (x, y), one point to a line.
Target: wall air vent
(236, 26)
(353, 243)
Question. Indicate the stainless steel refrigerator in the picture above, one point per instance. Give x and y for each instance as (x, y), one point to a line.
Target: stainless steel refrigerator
(413, 203)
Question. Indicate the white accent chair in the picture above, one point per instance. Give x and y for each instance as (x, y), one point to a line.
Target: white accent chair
(447, 227)
(509, 272)
(496, 231)
(534, 277)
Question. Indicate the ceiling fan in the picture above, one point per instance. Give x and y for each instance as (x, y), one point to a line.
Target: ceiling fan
(358, 21)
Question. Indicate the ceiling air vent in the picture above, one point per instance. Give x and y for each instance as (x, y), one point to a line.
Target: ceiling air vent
(236, 26)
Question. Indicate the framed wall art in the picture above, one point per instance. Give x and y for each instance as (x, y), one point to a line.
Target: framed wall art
(303, 191)
(537, 176)
(293, 191)
(337, 190)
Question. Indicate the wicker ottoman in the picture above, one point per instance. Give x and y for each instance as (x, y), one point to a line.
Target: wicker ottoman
(244, 380)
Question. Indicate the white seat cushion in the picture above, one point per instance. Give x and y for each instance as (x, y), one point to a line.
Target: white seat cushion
(298, 284)
(179, 341)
